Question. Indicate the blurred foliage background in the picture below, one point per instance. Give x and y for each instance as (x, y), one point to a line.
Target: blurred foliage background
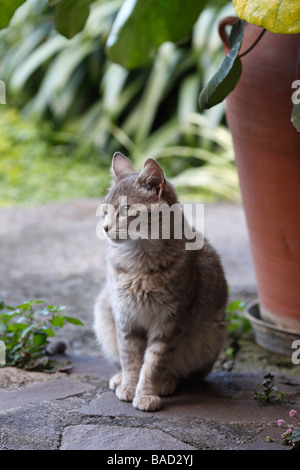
(69, 108)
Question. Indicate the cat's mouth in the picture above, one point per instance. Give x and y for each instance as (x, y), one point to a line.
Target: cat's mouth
(117, 234)
(124, 235)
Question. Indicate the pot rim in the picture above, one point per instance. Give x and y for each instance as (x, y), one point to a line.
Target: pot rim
(265, 324)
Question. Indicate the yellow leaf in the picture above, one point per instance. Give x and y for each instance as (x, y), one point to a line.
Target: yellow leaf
(277, 16)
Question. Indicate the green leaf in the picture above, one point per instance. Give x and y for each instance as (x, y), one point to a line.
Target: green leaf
(43, 311)
(296, 116)
(7, 9)
(236, 305)
(75, 321)
(17, 327)
(141, 26)
(228, 73)
(6, 317)
(57, 321)
(23, 306)
(48, 331)
(27, 330)
(70, 16)
(57, 308)
(278, 16)
(39, 339)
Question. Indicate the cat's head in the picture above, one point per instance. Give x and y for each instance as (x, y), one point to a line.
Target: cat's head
(132, 196)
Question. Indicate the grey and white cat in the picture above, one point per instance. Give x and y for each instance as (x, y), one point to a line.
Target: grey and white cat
(160, 314)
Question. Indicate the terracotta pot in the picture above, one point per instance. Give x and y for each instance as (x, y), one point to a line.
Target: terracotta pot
(267, 150)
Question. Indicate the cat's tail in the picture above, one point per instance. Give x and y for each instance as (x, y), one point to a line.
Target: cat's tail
(105, 328)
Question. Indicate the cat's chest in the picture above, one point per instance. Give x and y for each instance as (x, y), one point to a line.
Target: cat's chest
(140, 287)
(144, 299)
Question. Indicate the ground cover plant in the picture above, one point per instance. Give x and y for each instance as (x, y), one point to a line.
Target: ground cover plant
(25, 332)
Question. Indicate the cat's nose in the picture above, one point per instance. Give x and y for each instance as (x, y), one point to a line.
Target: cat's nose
(105, 228)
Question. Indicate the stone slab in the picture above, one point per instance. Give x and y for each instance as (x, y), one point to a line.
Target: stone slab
(224, 397)
(52, 390)
(103, 437)
(188, 406)
(37, 426)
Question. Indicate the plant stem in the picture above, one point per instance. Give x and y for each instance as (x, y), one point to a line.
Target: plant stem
(254, 44)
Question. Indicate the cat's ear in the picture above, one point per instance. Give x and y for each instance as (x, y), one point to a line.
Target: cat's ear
(120, 165)
(152, 176)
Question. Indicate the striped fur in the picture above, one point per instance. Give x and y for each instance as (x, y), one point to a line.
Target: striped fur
(160, 314)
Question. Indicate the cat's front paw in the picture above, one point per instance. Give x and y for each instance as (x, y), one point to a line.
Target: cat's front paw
(125, 392)
(146, 402)
(115, 381)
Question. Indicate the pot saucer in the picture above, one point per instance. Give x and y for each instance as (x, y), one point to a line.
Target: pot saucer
(270, 336)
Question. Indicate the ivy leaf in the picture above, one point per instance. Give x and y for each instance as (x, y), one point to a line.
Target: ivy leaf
(296, 116)
(141, 26)
(228, 73)
(70, 16)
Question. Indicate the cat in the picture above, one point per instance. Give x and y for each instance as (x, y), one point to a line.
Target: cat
(161, 313)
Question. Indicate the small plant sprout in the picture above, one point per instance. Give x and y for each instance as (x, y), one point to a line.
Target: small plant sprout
(238, 327)
(266, 391)
(291, 435)
(25, 332)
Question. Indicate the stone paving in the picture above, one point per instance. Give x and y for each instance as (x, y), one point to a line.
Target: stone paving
(52, 253)
(78, 412)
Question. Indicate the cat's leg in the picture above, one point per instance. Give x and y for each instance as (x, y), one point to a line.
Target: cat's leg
(151, 376)
(168, 385)
(132, 347)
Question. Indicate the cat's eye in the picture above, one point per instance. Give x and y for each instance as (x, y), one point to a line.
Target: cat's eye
(104, 209)
(124, 211)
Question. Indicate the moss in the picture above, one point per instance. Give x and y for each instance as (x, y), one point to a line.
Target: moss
(253, 358)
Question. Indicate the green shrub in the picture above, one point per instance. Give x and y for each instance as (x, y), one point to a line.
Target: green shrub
(99, 107)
